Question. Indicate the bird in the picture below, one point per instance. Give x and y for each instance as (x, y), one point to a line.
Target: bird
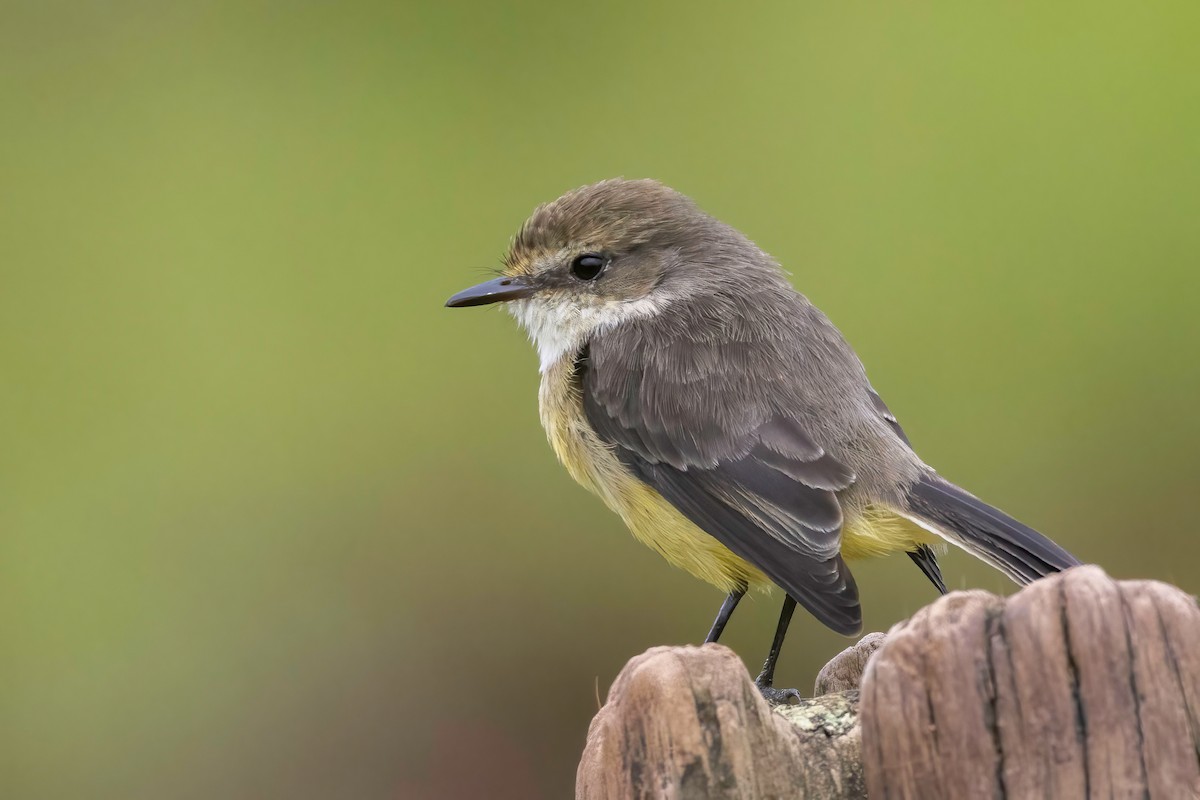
(722, 416)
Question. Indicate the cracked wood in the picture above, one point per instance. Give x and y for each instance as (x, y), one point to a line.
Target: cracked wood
(1078, 686)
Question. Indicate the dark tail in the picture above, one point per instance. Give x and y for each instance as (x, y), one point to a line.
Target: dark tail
(926, 560)
(987, 533)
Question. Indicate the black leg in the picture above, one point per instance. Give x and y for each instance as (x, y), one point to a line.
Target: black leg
(766, 678)
(723, 615)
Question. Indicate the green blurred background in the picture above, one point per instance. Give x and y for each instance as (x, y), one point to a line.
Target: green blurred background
(276, 524)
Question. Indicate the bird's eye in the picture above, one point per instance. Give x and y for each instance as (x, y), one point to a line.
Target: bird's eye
(588, 266)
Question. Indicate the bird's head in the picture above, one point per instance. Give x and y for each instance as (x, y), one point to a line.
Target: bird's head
(610, 252)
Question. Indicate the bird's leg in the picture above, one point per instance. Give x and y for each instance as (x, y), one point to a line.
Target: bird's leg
(724, 614)
(766, 678)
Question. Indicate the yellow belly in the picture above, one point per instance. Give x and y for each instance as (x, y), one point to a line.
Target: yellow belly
(878, 531)
(872, 531)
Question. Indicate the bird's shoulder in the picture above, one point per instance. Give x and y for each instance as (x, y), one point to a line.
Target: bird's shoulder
(722, 365)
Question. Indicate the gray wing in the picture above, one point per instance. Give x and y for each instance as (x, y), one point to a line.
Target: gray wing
(706, 422)
(888, 417)
(923, 555)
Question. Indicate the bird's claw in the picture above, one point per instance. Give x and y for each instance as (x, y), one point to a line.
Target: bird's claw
(777, 697)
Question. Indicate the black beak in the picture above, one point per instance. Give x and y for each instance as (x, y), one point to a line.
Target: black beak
(494, 291)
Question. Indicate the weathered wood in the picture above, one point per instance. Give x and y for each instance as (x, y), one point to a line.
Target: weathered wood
(845, 670)
(684, 722)
(1076, 687)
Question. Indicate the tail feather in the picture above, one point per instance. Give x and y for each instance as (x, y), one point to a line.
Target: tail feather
(926, 560)
(986, 532)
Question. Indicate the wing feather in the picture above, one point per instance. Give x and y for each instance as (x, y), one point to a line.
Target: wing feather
(698, 420)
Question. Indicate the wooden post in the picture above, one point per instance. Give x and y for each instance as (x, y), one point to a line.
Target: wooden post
(1076, 687)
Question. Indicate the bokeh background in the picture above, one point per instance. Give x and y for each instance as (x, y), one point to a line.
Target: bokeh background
(276, 524)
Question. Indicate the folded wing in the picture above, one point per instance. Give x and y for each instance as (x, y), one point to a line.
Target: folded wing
(692, 419)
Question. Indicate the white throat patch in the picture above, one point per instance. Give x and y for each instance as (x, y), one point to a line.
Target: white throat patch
(559, 328)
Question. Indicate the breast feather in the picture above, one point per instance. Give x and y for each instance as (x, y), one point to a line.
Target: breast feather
(651, 519)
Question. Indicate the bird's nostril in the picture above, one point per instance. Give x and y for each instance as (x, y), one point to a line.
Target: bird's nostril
(505, 282)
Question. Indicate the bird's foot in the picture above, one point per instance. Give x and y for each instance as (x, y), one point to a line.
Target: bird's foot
(776, 697)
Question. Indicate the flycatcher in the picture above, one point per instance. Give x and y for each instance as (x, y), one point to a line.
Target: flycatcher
(721, 415)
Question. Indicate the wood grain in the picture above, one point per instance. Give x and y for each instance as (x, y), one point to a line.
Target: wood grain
(1078, 686)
